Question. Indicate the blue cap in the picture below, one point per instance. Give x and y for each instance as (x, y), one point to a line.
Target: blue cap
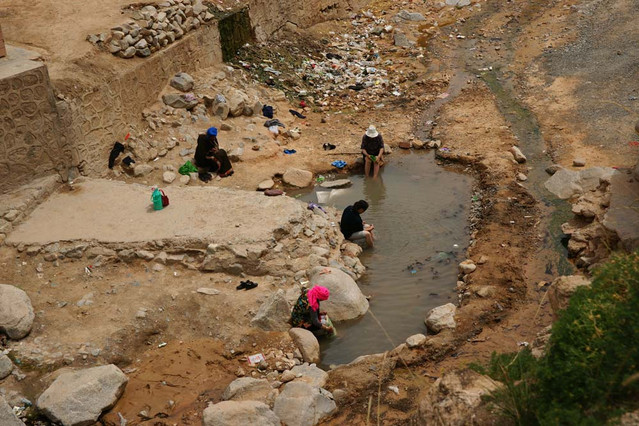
(212, 131)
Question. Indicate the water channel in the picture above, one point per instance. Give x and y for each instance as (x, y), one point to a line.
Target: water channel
(420, 212)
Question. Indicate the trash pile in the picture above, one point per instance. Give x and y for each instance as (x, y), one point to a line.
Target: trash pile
(348, 70)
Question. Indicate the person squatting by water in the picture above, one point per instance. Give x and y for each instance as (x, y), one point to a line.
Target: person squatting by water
(352, 225)
(306, 312)
(373, 151)
(209, 158)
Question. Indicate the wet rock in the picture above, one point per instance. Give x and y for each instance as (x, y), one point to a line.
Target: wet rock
(248, 389)
(307, 343)
(405, 145)
(301, 404)
(184, 101)
(467, 266)
(562, 288)
(310, 374)
(6, 366)
(415, 340)
(142, 170)
(297, 177)
(79, 397)
(168, 177)
(339, 183)
(7, 417)
(522, 177)
(16, 312)
(274, 313)
(411, 16)
(239, 413)
(441, 317)
(346, 300)
(517, 154)
(568, 183)
(455, 398)
(265, 184)
(182, 81)
(552, 169)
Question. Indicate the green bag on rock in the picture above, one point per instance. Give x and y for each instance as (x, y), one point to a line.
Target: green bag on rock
(187, 168)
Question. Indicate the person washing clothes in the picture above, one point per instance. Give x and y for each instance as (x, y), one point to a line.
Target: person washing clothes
(306, 312)
(373, 151)
(209, 158)
(352, 225)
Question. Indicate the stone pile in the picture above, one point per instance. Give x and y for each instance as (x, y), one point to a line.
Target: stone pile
(154, 27)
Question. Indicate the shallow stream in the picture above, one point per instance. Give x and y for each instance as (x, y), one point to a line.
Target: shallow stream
(420, 212)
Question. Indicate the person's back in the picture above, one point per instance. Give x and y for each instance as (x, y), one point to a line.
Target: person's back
(351, 222)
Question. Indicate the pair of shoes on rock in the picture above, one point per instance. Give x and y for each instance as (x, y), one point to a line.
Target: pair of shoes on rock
(246, 285)
(328, 146)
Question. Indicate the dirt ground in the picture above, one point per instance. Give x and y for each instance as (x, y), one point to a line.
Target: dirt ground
(568, 63)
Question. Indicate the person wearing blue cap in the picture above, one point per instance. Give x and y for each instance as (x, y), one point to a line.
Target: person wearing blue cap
(209, 158)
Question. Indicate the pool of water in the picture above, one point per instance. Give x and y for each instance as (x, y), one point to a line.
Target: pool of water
(420, 212)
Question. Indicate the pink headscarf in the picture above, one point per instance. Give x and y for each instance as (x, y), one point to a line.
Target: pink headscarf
(315, 294)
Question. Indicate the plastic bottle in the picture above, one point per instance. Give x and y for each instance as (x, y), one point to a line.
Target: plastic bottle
(156, 198)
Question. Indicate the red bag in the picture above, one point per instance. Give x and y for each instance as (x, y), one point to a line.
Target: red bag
(165, 199)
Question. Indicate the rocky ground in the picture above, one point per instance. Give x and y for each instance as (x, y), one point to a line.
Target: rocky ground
(504, 88)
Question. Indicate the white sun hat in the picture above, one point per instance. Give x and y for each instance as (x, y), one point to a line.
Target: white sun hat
(372, 132)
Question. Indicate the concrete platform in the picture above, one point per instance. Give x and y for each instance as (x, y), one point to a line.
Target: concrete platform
(115, 212)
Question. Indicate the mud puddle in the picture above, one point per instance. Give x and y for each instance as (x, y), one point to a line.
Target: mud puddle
(420, 213)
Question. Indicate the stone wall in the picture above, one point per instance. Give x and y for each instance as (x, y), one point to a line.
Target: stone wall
(29, 122)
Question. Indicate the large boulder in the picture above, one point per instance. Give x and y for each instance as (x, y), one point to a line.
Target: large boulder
(297, 177)
(310, 374)
(6, 366)
(568, 183)
(7, 417)
(307, 343)
(236, 100)
(183, 82)
(301, 404)
(562, 288)
(346, 300)
(16, 312)
(248, 389)
(455, 398)
(274, 313)
(176, 100)
(229, 413)
(441, 317)
(78, 398)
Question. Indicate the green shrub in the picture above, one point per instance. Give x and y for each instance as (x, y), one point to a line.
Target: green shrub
(589, 373)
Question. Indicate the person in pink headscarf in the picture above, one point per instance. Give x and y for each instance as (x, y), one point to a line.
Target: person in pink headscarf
(306, 312)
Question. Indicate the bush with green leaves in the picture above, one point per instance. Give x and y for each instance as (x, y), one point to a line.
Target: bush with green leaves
(590, 372)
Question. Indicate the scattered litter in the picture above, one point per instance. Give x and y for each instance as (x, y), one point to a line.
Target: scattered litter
(443, 95)
(289, 151)
(161, 345)
(524, 344)
(209, 291)
(394, 389)
(122, 419)
(328, 146)
(267, 111)
(88, 270)
(339, 164)
(296, 114)
(254, 360)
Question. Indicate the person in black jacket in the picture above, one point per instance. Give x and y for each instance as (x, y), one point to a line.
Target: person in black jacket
(373, 151)
(209, 158)
(352, 225)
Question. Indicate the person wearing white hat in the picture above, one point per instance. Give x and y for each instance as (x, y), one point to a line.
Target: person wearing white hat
(372, 150)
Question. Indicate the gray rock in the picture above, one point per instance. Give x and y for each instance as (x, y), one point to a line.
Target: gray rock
(517, 154)
(237, 101)
(415, 340)
(274, 313)
(346, 301)
(142, 44)
(127, 53)
(297, 177)
(168, 176)
(552, 169)
(78, 398)
(340, 183)
(307, 343)
(400, 39)
(441, 317)
(175, 100)
(562, 288)
(411, 16)
(248, 389)
(16, 312)
(198, 7)
(522, 177)
(145, 254)
(7, 417)
(143, 53)
(301, 404)
(310, 374)
(142, 170)
(467, 266)
(579, 162)
(183, 82)
(229, 413)
(568, 183)
(6, 366)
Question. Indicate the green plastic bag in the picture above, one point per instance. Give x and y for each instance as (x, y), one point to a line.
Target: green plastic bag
(187, 168)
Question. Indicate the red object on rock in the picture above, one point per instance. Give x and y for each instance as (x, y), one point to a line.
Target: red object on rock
(302, 104)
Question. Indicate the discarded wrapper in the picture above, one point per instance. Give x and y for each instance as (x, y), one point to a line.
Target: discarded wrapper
(254, 360)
